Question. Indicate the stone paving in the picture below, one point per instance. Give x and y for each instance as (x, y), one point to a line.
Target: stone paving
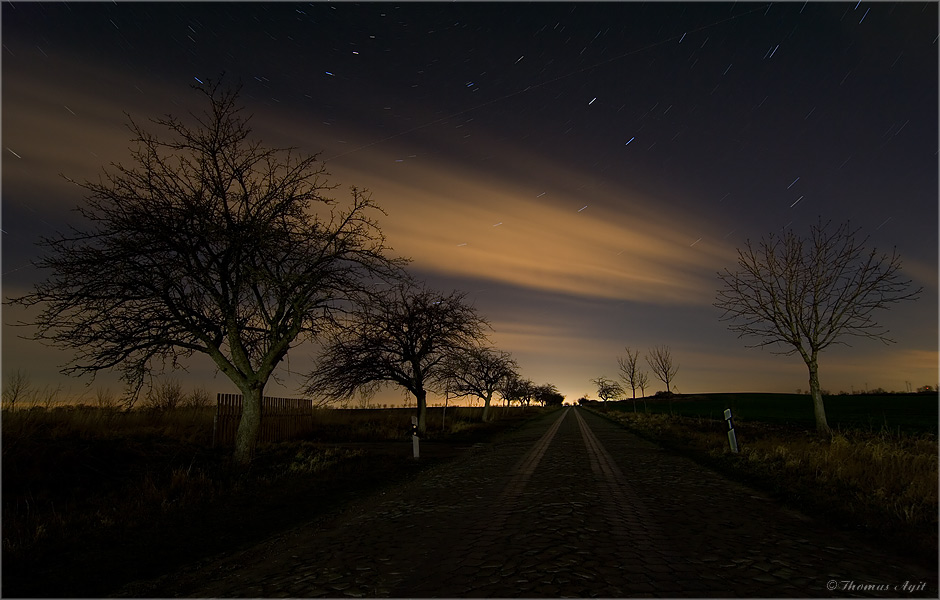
(569, 505)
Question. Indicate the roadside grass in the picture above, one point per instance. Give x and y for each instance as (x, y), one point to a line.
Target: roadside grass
(389, 424)
(912, 413)
(879, 482)
(94, 498)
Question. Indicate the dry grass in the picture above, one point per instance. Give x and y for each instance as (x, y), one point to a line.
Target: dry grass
(361, 425)
(192, 424)
(885, 482)
(882, 474)
(97, 476)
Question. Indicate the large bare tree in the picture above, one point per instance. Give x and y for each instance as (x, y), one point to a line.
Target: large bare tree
(659, 358)
(208, 243)
(480, 372)
(808, 293)
(402, 338)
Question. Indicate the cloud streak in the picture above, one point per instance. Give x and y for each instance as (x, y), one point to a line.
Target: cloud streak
(623, 248)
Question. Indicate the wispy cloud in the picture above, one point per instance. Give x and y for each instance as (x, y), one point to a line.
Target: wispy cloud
(623, 248)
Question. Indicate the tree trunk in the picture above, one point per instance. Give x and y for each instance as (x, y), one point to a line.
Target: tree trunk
(249, 427)
(486, 407)
(422, 397)
(819, 409)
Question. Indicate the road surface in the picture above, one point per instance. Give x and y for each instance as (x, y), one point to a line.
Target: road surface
(568, 505)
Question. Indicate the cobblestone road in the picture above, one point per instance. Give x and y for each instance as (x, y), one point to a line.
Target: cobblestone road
(569, 505)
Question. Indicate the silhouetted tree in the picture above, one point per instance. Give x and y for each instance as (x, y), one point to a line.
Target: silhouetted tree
(629, 373)
(547, 394)
(209, 243)
(607, 389)
(643, 380)
(807, 293)
(518, 390)
(478, 372)
(659, 358)
(403, 338)
(16, 388)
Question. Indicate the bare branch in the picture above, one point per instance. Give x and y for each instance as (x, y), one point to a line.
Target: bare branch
(630, 373)
(659, 359)
(607, 389)
(807, 294)
(403, 338)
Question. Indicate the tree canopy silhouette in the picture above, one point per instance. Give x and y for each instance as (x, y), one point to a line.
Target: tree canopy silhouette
(607, 389)
(547, 394)
(403, 338)
(479, 371)
(208, 243)
(517, 389)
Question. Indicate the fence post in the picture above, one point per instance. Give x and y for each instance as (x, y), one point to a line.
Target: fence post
(444, 412)
(732, 438)
(414, 436)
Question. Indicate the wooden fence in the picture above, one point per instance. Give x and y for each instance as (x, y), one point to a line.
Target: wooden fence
(281, 419)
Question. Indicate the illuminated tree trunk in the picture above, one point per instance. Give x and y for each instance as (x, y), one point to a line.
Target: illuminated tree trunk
(422, 397)
(486, 407)
(819, 409)
(249, 426)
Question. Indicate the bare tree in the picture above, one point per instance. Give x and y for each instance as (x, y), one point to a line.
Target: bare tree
(105, 398)
(402, 338)
(16, 389)
(209, 243)
(547, 394)
(808, 293)
(518, 390)
(607, 389)
(165, 396)
(478, 372)
(659, 359)
(629, 373)
(643, 380)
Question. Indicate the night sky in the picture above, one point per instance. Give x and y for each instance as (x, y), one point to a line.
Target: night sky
(582, 170)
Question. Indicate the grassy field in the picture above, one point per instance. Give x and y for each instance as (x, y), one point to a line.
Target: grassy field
(912, 413)
(877, 473)
(95, 498)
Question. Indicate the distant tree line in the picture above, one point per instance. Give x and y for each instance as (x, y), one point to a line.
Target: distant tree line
(659, 359)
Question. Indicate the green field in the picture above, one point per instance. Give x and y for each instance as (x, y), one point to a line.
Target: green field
(913, 413)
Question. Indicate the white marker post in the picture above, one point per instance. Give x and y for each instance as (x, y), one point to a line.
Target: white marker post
(732, 438)
(414, 436)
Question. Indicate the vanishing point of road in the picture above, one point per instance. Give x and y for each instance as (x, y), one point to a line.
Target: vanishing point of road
(568, 505)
